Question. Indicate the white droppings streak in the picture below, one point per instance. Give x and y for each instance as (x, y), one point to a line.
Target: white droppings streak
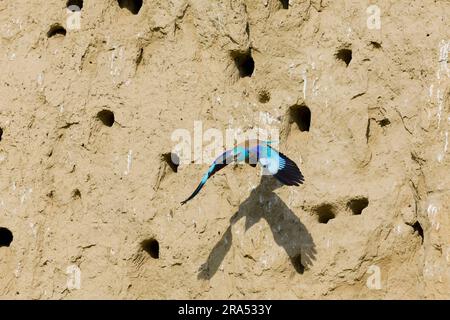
(115, 69)
(40, 80)
(316, 87)
(129, 160)
(432, 211)
(446, 142)
(443, 59)
(437, 90)
(329, 243)
(18, 270)
(25, 195)
(33, 229)
(440, 102)
(292, 196)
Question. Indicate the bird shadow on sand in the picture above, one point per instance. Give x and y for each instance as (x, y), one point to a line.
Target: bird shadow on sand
(288, 231)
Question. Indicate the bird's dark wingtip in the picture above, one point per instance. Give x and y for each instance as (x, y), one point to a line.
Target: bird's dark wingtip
(290, 174)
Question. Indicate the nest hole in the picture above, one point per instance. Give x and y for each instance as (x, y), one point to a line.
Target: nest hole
(358, 205)
(75, 5)
(325, 213)
(56, 30)
(6, 237)
(344, 55)
(244, 63)
(151, 246)
(172, 160)
(285, 4)
(301, 115)
(1, 134)
(134, 6)
(106, 117)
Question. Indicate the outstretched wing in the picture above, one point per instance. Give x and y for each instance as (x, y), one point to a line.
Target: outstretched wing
(288, 172)
(218, 164)
(281, 167)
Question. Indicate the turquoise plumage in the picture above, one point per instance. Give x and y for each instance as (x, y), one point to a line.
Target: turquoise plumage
(253, 152)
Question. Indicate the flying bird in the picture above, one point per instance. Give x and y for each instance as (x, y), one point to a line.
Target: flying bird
(253, 152)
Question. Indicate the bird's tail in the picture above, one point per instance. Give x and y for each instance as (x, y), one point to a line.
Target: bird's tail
(217, 165)
(200, 186)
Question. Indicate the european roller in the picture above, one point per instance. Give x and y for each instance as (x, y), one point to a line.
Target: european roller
(253, 152)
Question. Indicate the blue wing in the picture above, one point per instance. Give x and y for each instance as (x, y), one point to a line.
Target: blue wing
(288, 172)
(280, 166)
